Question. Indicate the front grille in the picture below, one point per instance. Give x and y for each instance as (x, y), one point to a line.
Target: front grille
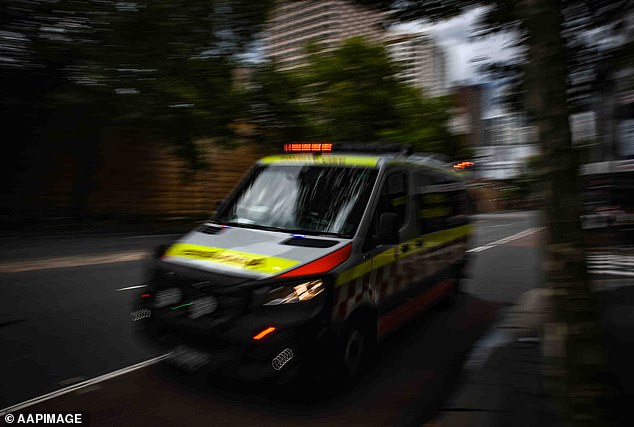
(193, 291)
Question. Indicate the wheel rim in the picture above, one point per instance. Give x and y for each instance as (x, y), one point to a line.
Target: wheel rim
(353, 353)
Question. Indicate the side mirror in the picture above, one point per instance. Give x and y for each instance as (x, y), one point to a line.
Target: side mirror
(387, 234)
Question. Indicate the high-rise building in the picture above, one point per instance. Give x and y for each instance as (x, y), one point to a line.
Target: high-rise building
(423, 62)
(509, 141)
(471, 101)
(295, 24)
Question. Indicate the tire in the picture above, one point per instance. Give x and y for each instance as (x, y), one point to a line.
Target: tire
(358, 345)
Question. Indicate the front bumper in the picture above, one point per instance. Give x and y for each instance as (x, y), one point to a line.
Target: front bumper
(301, 339)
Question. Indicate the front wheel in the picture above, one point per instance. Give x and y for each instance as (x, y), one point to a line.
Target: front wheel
(357, 347)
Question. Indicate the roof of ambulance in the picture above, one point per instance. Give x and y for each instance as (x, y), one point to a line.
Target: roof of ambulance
(358, 159)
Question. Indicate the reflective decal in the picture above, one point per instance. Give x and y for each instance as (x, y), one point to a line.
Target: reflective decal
(236, 259)
(429, 241)
(309, 159)
(323, 264)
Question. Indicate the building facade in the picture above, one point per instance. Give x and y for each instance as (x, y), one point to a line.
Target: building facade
(423, 62)
(296, 24)
(508, 142)
(471, 103)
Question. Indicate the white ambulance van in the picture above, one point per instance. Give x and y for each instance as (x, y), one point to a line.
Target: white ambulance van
(315, 257)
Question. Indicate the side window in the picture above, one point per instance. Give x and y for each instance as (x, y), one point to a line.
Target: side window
(393, 198)
(434, 203)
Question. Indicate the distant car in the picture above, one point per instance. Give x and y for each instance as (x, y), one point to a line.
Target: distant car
(314, 258)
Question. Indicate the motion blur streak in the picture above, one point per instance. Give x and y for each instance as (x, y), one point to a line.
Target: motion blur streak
(70, 261)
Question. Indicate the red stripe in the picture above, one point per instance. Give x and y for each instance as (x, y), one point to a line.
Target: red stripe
(390, 320)
(323, 264)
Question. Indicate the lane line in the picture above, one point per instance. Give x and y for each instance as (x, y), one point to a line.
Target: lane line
(480, 249)
(516, 236)
(131, 287)
(71, 261)
(83, 384)
(507, 239)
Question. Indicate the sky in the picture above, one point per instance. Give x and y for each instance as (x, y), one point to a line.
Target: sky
(463, 54)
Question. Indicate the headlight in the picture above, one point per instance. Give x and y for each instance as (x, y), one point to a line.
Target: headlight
(298, 293)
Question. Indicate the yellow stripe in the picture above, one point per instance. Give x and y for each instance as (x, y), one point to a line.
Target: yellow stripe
(354, 272)
(236, 259)
(325, 159)
(430, 240)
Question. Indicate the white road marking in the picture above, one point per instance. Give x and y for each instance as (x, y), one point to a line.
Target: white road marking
(507, 239)
(70, 261)
(81, 385)
(516, 236)
(613, 273)
(611, 264)
(131, 287)
(480, 249)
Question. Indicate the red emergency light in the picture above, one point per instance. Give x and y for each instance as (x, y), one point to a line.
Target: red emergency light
(463, 165)
(308, 147)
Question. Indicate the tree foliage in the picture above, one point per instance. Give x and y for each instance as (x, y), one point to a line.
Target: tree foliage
(569, 46)
(76, 73)
(349, 94)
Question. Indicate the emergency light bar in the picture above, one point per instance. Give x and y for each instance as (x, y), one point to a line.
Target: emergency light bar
(350, 147)
(308, 147)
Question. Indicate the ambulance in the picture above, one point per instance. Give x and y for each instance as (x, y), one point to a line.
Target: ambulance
(315, 257)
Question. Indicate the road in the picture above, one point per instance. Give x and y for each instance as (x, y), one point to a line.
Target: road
(64, 319)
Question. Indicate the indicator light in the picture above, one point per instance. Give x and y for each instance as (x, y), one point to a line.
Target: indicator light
(463, 165)
(146, 295)
(264, 333)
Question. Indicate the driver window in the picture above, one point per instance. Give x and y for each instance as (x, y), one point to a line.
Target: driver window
(393, 199)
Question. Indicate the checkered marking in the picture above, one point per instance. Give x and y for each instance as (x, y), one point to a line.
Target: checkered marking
(382, 282)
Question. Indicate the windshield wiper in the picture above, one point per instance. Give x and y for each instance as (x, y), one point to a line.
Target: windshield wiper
(285, 230)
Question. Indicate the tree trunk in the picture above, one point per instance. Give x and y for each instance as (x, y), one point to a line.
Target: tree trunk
(575, 371)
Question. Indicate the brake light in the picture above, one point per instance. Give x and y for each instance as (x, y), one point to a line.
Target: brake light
(323, 264)
(308, 147)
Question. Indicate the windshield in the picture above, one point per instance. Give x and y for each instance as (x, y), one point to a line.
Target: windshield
(302, 199)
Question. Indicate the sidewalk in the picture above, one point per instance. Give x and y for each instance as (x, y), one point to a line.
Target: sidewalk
(504, 380)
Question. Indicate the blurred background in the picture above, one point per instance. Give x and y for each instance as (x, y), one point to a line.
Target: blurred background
(127, 116)
(110, 107)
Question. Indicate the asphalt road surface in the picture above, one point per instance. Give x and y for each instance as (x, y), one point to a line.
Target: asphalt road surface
(64, 320)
